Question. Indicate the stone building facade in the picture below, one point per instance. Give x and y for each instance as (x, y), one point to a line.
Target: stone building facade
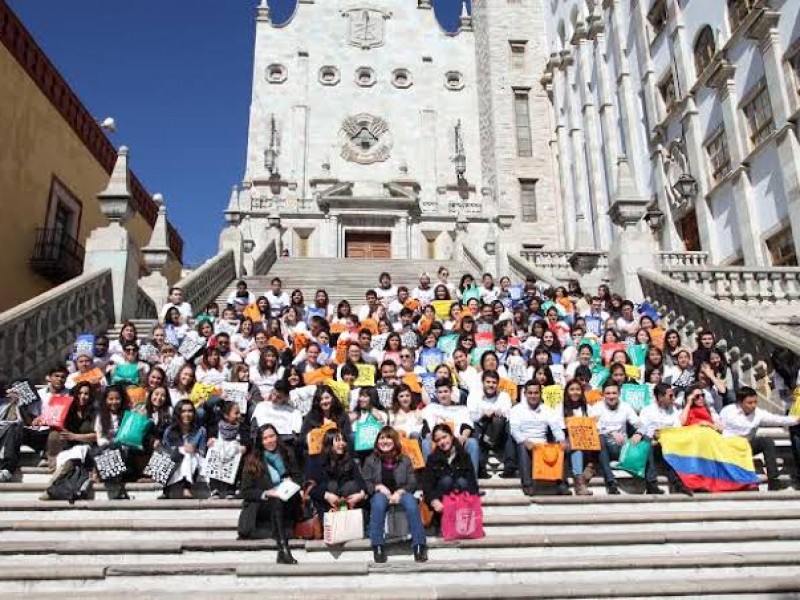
(702, 99)
(375, 133)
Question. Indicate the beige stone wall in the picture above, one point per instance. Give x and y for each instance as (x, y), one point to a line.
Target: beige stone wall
(37, 146)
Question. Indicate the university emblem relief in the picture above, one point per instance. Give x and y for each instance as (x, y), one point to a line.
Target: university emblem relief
(365, 139)
(367, 27)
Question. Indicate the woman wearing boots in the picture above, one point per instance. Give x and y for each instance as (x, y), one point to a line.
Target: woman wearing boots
(391, 480)
(580, 462)
(266, 465)
(336, 475)
(448, 469)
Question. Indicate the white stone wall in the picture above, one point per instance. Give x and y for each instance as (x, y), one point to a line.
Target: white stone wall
(761, 195)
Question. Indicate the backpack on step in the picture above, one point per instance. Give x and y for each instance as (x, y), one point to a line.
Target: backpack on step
(73, 483)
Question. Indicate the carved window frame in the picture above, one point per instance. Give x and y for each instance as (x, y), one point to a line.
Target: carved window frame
(62, 197)
(359, 77)
(335, 78)
(399, 73)
(454, 81)
(276, 73)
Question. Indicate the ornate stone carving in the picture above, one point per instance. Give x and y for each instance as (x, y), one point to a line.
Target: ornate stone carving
(365, 139)
(367, 27)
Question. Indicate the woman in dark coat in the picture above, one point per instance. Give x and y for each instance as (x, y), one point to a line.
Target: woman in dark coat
(447, 469)
(335, 475)
(266, 465)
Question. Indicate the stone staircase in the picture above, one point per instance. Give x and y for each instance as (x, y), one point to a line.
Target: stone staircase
(343, 278)
(542, 547)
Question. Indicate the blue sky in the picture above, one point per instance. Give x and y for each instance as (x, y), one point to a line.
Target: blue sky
(176, 76)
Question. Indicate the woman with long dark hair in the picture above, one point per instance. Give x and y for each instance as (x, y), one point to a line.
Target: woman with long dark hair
(448, 469)
(184, 436)
(78, 426)
(391, 480)
(336, 475)
(264, 514)
(582, 468)
(326, 408)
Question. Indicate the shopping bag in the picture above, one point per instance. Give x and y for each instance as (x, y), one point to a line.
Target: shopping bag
(133, 429)
(308, 527)
(583, 433)
(110, 465)
(411, 449)
(795, 410)
(593, 396)
(396, 525)
(137, 396)
(638, 354)
(365, 434)
(191, 347)
(636, 395)
(548, 462)
(202, 392)
(442, 309)
(607, 350)
(633, 457)
(237, 393)
(93, 377)
(55, 413)
(341, 390)
(317, 376)
(316, 437)
(509, 387)
(341, 526)
(161, 467)
(462, 517)
(127, 374)
(366, 375)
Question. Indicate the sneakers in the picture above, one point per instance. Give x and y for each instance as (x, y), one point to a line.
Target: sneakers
(773, 485)
(508, 474)
(379, 554)
(6, 476)
(652, 489)
(612, 489)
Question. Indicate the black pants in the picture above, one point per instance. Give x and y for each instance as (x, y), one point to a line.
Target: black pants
(491, 434)
(269, 518)
(10, 442)
(765, 446)
(348, 488)
(794, 438)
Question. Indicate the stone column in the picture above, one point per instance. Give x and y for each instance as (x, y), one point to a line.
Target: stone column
(112, 247)
(400, 238)
(230, 238)
(633, 246)
(723, 80)
(564, 172)
(155, 256)
(505, 243)
(765, 31)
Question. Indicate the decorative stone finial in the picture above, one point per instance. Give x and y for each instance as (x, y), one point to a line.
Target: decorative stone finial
(156, 252)
(263, 12)
(233, 213)
(465, 20)
(116, 201)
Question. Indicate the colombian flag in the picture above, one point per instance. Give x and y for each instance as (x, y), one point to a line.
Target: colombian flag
(705, 460)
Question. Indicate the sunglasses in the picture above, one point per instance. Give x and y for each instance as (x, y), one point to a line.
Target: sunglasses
(130, 349)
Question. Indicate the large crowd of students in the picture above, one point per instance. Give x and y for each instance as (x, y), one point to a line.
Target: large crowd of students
(397, 402)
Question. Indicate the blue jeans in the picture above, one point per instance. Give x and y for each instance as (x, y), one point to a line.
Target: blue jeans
(471, 446)
(575, 460)
(379, 506)
(609, 450)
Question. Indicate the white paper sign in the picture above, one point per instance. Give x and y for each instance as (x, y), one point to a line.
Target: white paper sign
(236, 392)
(222, 461)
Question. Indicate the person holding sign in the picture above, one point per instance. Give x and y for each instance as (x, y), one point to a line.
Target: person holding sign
(580, 460)
(325, 409)
(613, 420)
(661, 415)
(530, 421)
(457, 416)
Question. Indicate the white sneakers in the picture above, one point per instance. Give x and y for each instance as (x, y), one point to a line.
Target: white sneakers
(5, 476)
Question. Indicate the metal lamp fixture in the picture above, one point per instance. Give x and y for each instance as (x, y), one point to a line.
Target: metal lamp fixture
(685, 187)
(654, 218)
(271, 153)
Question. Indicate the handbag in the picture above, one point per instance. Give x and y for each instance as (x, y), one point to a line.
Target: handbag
(342, 526)
(316, 437)
(127, 374)
(55, 413)
(462, 517)
(396, 525)
(309, 526)
(133, 429)
(365, 434)
(110, 464)
(161, 467)
(633, 457)
(425, 514)
(548, 462)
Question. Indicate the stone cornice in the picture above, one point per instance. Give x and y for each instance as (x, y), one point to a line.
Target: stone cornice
(764, 22)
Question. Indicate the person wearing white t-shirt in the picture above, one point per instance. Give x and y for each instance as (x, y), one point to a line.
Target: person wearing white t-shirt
(423, 293)
(744, 418)
(445, 411)
(176, 300)
(277, 298)
(278, 411)
(386, 292)
(613, 419)
(241, 297)
(489, 407)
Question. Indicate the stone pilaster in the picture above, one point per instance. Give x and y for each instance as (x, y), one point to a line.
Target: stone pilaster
(155, 255)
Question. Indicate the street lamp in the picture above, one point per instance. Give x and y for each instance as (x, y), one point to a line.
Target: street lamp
(460, 159)
(654, 218)
(109, 124)
(685, 187)
(271, 153)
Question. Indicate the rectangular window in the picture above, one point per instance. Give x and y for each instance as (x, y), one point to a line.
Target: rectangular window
(430, 249)
(666, 88)
(517, 54)
(758, 112)
(522, 120)
(718, 156)
(527, 191)
(781, 249)
(657, 17)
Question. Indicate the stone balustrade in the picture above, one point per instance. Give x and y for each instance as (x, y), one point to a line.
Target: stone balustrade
(678, 260)
(749, 340)
(264, 261)
(42, 331)
(472, 261)
(522, 268)
(145, 307)
(206, 282)
(555, 262)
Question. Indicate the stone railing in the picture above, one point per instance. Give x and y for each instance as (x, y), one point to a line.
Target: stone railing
(678, 260)
(41, 332)
(561, 265)
(264, 261)
(522, 268)
(749, 340)
(207, 281)
(145, 307)
(555, 262)
(743, 286)
(472, 261)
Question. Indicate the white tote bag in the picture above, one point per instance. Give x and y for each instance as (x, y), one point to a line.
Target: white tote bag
(343, 526)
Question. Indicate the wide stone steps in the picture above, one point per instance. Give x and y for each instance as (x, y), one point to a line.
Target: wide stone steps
(343, 278)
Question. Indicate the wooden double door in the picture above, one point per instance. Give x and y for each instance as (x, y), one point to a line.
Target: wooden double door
(368, 245)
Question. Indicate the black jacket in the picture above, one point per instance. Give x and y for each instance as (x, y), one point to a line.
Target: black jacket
(313, 421)
(322, 474)
(437, 467)
(254, 486)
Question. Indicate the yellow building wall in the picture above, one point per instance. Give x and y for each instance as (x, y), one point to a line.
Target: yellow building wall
(35, 145)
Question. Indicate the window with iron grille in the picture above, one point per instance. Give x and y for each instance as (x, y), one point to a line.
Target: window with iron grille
(704, 50)
(522, 120)
(781, 249)
(527, 190)
(758, 112)
(718, 155)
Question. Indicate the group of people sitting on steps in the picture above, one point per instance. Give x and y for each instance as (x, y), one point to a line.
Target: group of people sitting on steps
(420, 391)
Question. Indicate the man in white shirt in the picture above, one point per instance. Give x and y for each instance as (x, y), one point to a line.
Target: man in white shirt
(424, 292)
(613, 420)
(277, 410)
(176, 300)
(627, 324)
(387, 293)
(277, 298)
(662, 414)
(529, 423)
(372, 301)
(489, 408)
(445, 410)
(242, 297)
(744, 418)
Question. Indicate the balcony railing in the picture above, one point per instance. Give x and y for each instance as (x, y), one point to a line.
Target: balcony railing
(57, 255)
